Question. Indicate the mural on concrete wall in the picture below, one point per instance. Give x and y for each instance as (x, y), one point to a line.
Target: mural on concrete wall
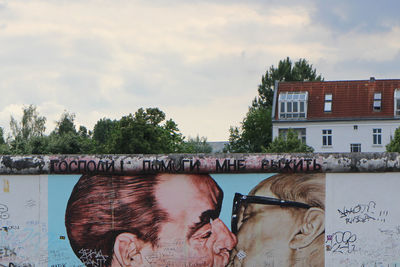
(173, 220)
(186, 220)
(169, 219)
(281, 222)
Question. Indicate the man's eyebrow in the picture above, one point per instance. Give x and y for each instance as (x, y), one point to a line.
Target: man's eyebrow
(205, 218)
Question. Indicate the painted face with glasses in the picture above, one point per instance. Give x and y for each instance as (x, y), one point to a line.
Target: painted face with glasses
(280, 222)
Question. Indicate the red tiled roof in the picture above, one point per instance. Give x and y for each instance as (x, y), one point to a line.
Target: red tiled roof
(350, 99)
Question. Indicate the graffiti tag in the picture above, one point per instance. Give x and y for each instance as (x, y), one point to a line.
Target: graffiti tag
(391, 232)
(13, 264)
(3, 212)
(92, 258)
(30, 203)
(341, 242)
(362, 213)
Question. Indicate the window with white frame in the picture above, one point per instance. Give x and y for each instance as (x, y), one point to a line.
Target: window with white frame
(377, 101)
(301, 133)
(293, 105)
(377, 136)
(328, 103)
(397, 102)
(355, 147)
(327, 137)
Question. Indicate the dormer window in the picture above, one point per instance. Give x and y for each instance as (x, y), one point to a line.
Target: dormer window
(377, 101)
(293, 105)
(328, 103)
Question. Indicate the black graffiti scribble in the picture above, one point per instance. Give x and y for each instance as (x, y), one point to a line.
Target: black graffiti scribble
(92, 258)
(362, 213)
(360, 219)
(391, 232)
(341, 242)
(13, 264)
(30, 203)
(6, 252)
(3, 212)
(358, 209)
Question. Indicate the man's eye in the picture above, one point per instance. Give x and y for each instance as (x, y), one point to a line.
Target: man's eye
(206, 235)
(245, 218)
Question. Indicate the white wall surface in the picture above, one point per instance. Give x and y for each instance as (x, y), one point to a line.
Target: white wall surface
(361, 223)
(343, 134)
(23, 218)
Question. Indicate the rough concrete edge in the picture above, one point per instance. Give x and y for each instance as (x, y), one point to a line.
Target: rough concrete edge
(329, 162)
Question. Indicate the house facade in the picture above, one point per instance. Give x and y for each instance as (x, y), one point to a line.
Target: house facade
(338, 116)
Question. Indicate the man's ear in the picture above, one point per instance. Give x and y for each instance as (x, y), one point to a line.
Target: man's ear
(313, 225)
(127, 250)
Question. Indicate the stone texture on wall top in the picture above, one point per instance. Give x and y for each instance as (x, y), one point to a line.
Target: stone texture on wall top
(199, 163)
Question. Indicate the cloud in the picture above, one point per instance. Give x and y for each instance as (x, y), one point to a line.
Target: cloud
(199, 61)
(367, 16)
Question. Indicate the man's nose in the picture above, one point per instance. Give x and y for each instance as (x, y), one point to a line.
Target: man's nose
(225, 239)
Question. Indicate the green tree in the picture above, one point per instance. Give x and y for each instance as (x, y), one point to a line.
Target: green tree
(31, 126)
(144, 133)
(255, 132)
(286, 144)
(83, 132)
(301, 70)
(66, 124)
(38, 145)
(102, 129)
(66, 140)
(196, 145)
(4, 148)
(102, 134)
(2, 141)
(394, 145)
(171, 137)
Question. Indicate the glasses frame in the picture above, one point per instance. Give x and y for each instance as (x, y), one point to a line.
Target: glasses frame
(240, 199)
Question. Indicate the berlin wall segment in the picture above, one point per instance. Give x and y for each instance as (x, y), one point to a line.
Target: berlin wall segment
(55, 210)
(199, 163)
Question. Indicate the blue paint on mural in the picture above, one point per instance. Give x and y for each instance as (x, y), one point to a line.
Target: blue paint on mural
(60, 252)
(232, 183)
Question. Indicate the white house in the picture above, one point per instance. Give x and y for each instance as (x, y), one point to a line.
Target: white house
(338, 116)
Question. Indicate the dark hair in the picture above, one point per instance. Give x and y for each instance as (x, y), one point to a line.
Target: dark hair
(101, 207)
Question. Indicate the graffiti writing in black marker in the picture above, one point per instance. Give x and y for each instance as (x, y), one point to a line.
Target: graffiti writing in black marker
(395, 231)
(4, 212)
(13, 264)
(341, 242)
(362, 213)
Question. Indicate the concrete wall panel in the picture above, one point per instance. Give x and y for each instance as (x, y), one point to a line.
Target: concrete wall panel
(130, 216)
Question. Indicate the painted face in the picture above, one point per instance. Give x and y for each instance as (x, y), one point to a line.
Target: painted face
(264, 233)
(193, 235)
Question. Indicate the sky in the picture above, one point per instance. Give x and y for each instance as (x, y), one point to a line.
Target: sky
(198, 61)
